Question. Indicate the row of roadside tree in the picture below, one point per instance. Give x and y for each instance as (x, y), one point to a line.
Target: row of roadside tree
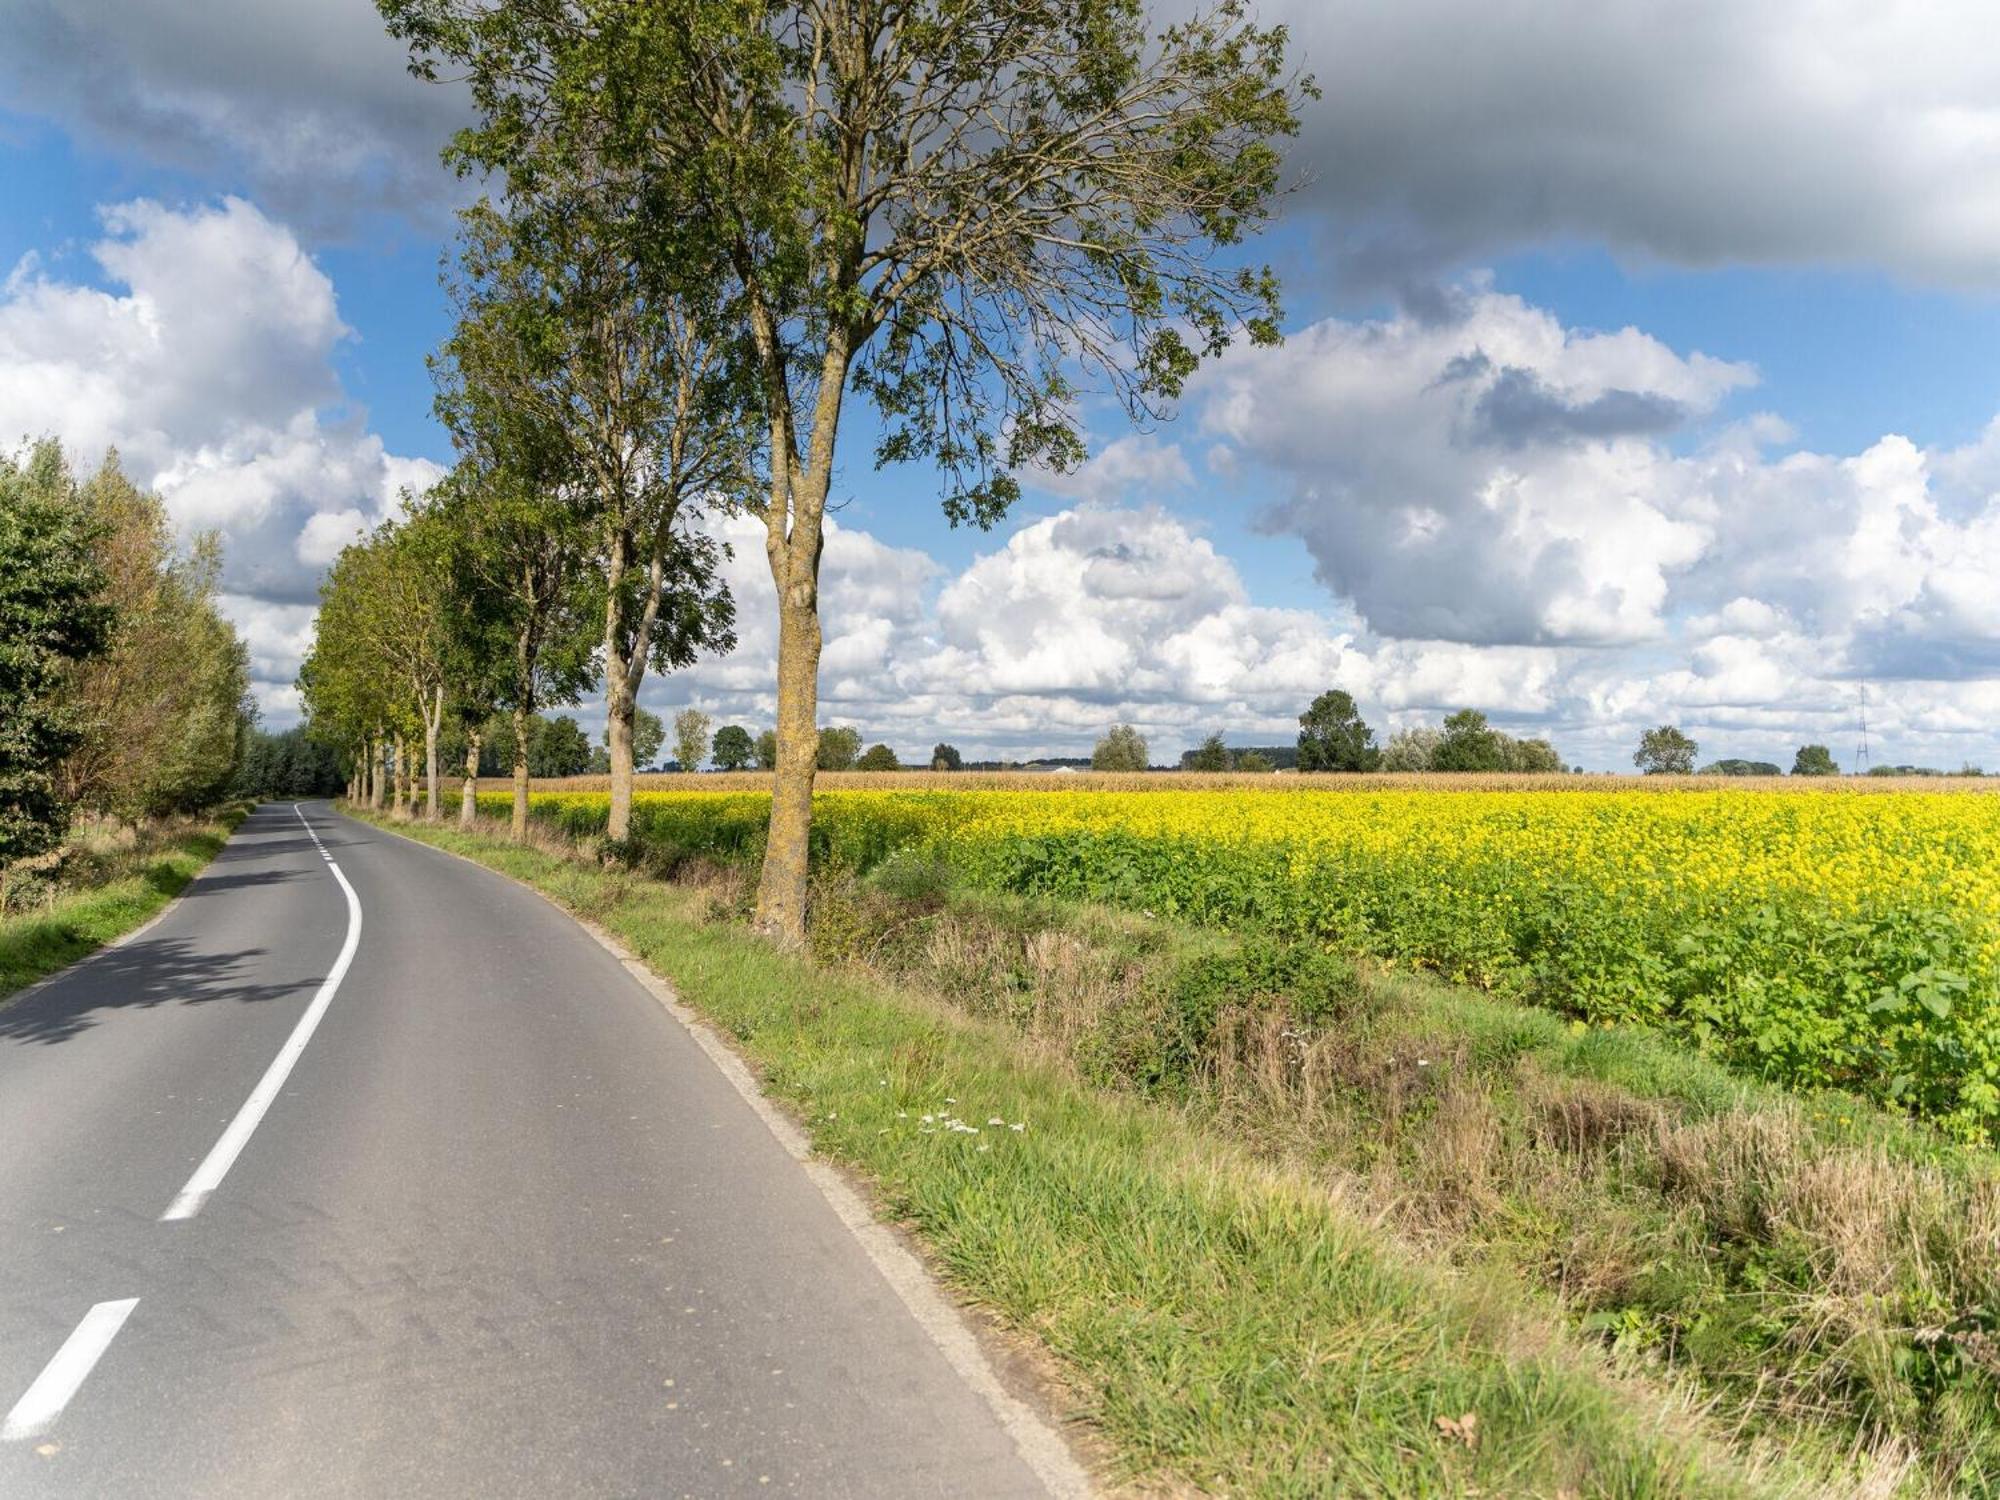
(708, 227)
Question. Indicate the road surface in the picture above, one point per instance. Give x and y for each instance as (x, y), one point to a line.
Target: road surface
(470, 1214)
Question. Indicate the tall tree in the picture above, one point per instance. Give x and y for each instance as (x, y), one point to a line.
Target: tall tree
(1334, 737)
(610, 362)
(409, 580)
(1468, 743)
(733, 748)
(967, 212)
(836, 749)
(1123, 748)
(691, 728)
(350, 691)
(52, 615)
(1665, 751)
(163, 709)
(1210, 755)
(559, 747)
(523, 539)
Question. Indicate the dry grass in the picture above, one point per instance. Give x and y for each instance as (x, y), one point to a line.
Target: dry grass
(1799, 1265)
(1169, 781)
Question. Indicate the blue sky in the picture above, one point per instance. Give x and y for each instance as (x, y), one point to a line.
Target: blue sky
(1636, 370)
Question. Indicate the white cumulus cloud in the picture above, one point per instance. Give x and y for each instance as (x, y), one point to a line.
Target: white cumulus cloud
(202, 351)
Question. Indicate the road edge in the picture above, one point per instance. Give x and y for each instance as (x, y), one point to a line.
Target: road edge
(1040, 1444)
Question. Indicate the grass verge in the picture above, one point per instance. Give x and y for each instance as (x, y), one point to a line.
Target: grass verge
(112, 878)
(1232, 1318)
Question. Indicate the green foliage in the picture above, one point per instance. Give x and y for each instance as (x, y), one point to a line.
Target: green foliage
(733, 748)
(1468, 744)
(1253, 761)
(1665, 751)
(1210, 755)
(1530, 757)
(691, 728)
(878, 758)
(839, 748)
(648, 734)
(1333, 737)
(1123, 748)
(100, 895)
(52, 616)
(290, 763)
(560, 748)
(164, 707)
(1740, 768)
(1814, 760)
(767, 750)
(946, 758)
(1411, 750)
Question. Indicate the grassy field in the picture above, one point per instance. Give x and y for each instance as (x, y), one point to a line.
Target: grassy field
(110, 878)
(1277, 1213)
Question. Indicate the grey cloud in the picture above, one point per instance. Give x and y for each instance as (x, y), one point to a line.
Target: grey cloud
(306, 103)
(1519, 409)
(1452, 131)
(1914, 651)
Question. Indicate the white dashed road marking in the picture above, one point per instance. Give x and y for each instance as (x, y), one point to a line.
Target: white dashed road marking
(44, 1401)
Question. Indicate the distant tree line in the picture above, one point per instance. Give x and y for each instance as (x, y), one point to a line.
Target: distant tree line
(289, 763)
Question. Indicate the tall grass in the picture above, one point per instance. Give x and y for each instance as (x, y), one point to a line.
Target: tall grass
(109, 877)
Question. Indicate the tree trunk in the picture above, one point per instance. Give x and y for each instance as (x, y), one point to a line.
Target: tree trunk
(618, 735)
(520, 824)
(794, 523)
(402, 777)
(624, 666)
(432, 723)
(378, 771)
(781, 892)
(468, 802)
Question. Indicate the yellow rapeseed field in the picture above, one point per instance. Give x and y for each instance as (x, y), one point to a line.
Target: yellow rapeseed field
(1825, 940)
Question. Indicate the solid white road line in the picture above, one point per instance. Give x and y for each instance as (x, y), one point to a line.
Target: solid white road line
(222, 1156)
(44, 1401)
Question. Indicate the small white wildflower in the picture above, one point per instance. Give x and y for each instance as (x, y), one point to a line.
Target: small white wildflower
(984, 1147)
(1423, 1062)
(833, 1114)
(996, 1120)
(927, 1119)
(904, 1114)
(950, 1100)
(1022, 1126)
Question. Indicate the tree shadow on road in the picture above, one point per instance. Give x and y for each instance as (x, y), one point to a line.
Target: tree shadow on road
(141, 975)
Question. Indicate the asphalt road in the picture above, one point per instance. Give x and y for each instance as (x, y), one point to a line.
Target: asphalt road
(502, 1229)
